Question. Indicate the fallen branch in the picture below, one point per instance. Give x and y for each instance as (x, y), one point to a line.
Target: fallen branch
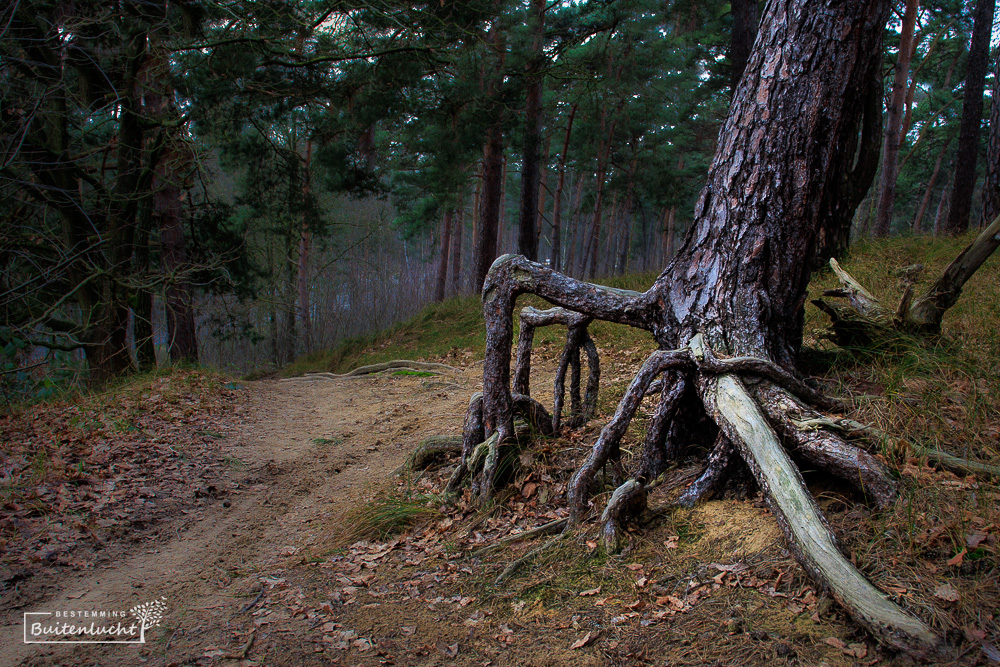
(947, 460)
(397, 364)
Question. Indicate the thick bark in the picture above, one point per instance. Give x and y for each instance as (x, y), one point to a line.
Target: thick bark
(972, 116)
(893, 123)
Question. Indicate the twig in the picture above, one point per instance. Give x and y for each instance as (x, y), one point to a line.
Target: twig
(544, 529)
(512, 569)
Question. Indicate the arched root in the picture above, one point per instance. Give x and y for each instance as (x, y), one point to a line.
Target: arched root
(945, 459)
(430, 449)
(813, 545)
(628, 500)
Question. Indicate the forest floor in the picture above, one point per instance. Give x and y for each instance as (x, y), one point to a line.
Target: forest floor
(263, 541)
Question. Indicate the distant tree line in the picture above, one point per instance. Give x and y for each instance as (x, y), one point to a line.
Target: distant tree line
(244, 183)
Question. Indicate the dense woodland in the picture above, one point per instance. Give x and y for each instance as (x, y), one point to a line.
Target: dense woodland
(241, 183)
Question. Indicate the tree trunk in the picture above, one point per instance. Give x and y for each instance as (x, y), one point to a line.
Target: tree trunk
(557, 197)
(893, 123)
(972, 116)
(930, 186)
(442, 276)
(456, 250)
(991, 186)
(527, 239)
(491, 189)
(736, 287)
(305, 245)
(489, 206)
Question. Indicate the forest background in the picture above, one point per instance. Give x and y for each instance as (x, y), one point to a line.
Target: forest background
(242, 183)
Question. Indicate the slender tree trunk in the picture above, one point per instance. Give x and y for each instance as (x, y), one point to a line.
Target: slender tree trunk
(181, 336)
(574, 233)
(930, 186)
(442, 276)
(456, 250)
(488, 228)
(972, 116)
(557, 198)
(670, 232)
(991, 186)
(893, 122)
(942, 208)
(305, 244)
(602, 164)
(527, 240)
(543, 188)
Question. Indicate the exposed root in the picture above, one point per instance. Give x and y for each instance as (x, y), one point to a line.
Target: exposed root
(430, 449)
(704, 487)
(945, 459)
(825, 450)
(655, 454)
(628, 501)
(577, 338)
(398, 364)
(607, 444)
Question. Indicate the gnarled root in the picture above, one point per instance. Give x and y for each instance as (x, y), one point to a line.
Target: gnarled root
(825, 450)
(606, 447)
(693, 373)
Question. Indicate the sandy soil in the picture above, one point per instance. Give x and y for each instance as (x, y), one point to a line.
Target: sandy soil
(256, 576)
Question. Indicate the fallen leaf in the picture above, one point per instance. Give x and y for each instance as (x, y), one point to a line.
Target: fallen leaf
(592, 591)
(947, 593)
(835, 643)
(957, 558)
(672, 541)
(973, 540)
(448, 650)
(584, 640)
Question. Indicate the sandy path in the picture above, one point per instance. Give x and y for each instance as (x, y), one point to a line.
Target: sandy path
(311, 450)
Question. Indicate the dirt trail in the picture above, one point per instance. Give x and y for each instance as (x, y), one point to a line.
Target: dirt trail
(311, 450)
